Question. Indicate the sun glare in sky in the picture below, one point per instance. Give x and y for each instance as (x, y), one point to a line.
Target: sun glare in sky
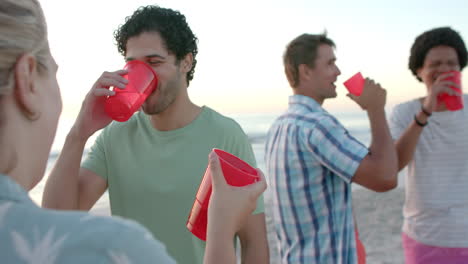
(241, 44)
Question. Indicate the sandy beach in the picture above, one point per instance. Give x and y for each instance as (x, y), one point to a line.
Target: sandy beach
(379, 220)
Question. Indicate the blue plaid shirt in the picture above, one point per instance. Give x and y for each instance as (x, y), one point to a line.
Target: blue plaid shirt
(310, 161)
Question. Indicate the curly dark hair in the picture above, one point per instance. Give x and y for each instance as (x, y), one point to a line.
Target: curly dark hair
(302, 50)
(170, 24)
(443, 36)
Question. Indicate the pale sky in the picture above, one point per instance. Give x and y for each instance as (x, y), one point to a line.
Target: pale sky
(241, 44)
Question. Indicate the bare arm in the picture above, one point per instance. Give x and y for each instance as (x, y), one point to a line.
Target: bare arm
(69, 187)
(220, 245)
(253, 240)
(406, 144)
(229, 209)
(378, 170)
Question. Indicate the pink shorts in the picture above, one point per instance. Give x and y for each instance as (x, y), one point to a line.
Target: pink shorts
(418, 253)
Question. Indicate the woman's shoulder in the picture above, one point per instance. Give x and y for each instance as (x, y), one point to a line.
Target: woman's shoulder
(75, 235)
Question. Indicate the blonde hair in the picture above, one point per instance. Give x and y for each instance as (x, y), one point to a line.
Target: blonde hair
(22, 30)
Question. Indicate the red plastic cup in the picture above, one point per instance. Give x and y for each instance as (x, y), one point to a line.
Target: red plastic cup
(361, 250)
(452, 102)
(355, 84)
(142, 81)
(236, 172)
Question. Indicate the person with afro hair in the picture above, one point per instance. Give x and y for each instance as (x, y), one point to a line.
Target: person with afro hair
(432, 141)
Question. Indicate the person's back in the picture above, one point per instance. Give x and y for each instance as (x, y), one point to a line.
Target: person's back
(31, 234)
(30, 104)
(311, 201)
(312, 160)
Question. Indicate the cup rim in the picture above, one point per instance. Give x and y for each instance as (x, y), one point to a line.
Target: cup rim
(142, 63)
(220, 151)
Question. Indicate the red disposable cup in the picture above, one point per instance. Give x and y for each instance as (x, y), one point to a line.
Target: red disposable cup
(452, 102)
(361, 250)
(236, 172)
(355, 84)
(142, 81)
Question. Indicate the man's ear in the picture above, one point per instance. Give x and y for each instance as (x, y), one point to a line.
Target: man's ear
(304, 72)
(418, 73)
(25, 87)
(187, 62)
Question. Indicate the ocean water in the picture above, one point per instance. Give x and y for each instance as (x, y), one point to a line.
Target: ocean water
(254, 125)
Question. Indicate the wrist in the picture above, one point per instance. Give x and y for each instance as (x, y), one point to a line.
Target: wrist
(376, 111)
(220, 230)
(427, 104)
(425, 111)
(76, 136)
(420, 123)
(219, 220)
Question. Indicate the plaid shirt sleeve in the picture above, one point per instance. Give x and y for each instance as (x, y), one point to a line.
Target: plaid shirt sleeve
(335, 148)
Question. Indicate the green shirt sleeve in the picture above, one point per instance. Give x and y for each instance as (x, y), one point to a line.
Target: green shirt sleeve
(95, 160)
(242, 148)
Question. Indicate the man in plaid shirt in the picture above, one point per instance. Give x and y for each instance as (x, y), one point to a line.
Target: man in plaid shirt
(312, 160)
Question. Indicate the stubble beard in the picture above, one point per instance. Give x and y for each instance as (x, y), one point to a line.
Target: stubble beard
(328, 95)
(167, 96)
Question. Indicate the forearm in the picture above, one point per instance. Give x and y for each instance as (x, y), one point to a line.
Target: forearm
(255, 252)
(253, 240)
(61, 189)
(406, 144)
(382, 149)
(219, 245)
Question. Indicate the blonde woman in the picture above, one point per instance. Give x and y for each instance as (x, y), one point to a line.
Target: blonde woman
(30, 107)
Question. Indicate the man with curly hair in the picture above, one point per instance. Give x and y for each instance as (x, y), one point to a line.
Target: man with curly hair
(152, 164)
(432, 141)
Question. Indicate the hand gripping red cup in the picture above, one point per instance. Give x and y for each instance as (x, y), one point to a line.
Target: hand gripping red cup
(142, 81)
(452, 102)
(236, 172)
(355, 84)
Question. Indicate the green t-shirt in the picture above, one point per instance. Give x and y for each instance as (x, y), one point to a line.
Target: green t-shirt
(153, 176)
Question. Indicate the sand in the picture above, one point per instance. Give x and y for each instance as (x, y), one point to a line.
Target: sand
(379, 220)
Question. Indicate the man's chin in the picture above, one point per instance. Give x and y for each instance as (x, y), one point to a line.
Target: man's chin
(147, 110)
(152, 111)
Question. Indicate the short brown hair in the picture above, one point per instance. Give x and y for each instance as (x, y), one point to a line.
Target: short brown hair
(302, 50)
